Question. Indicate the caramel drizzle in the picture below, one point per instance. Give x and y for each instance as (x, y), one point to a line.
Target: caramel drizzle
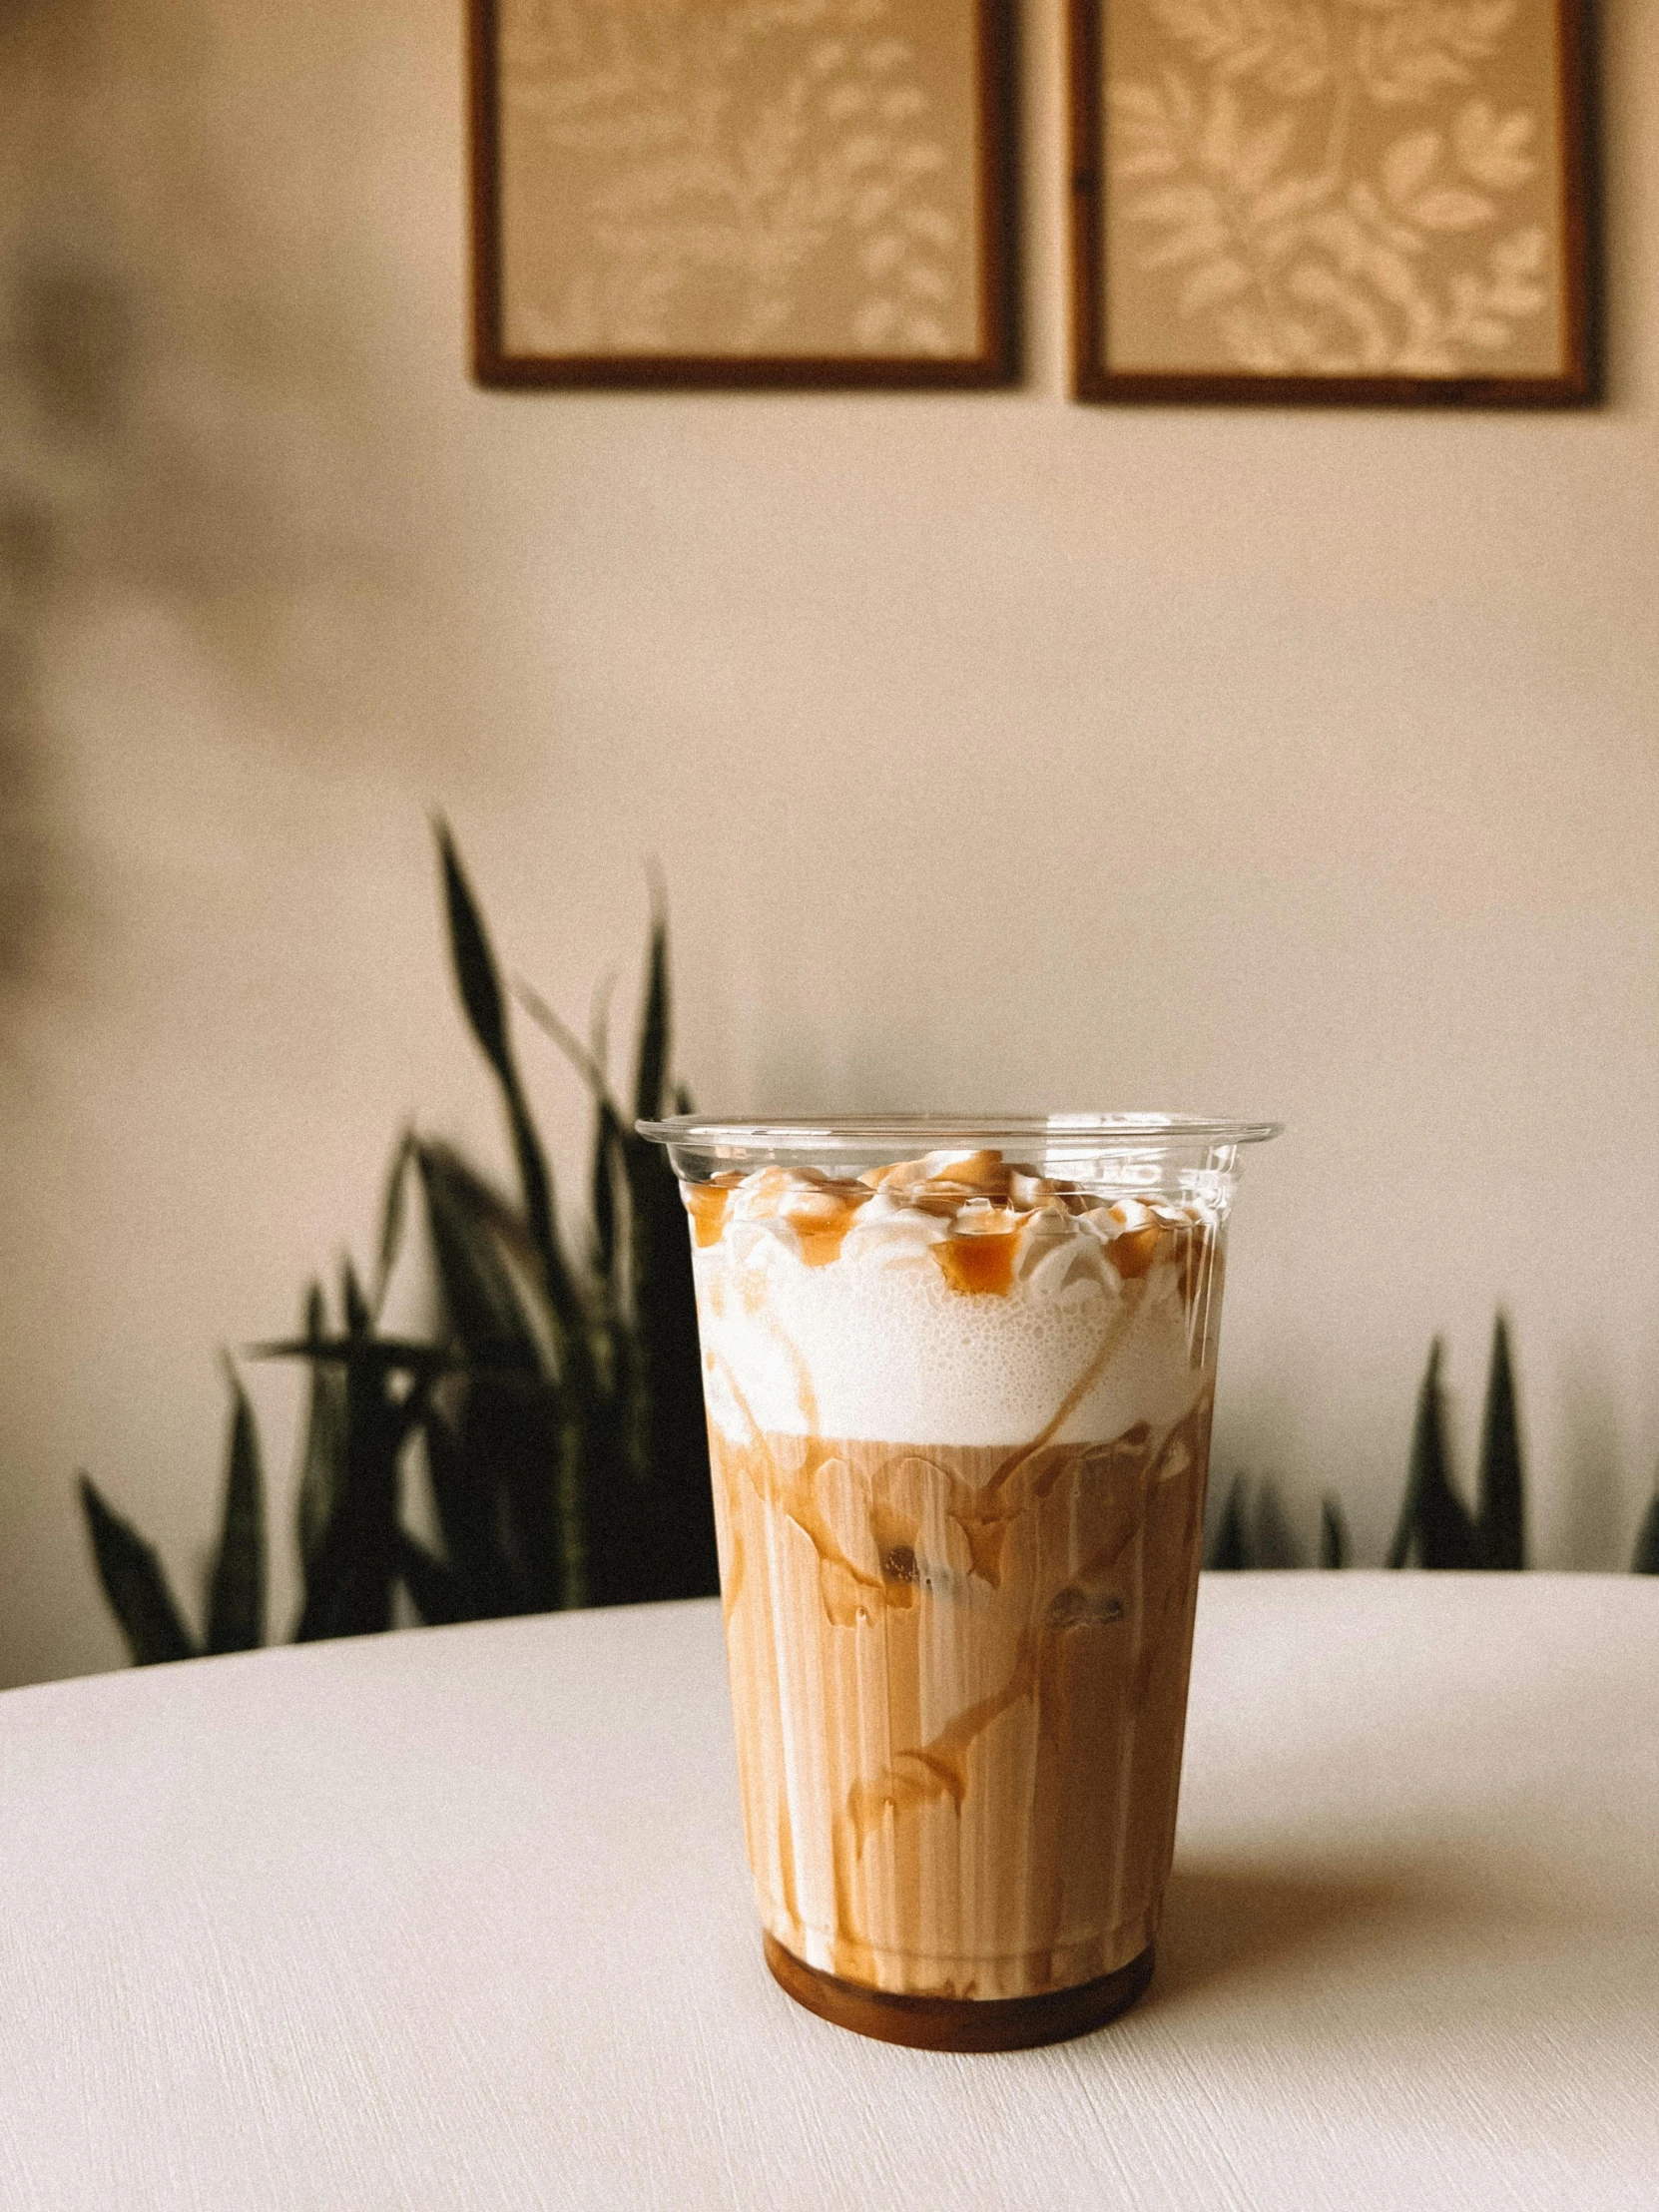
(981, 1266)
(938, 1769)
(985, 1522)
(844, 1586)
(1133, 1468)
(989, 1207)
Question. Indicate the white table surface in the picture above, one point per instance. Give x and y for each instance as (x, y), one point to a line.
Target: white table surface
(460, 1918)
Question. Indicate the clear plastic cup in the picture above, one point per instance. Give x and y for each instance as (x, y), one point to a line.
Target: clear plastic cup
(959, 1375)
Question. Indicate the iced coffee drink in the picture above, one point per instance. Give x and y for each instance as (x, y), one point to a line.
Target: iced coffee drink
(959, 1417)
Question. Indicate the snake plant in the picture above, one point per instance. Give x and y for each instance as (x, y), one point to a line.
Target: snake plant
(557, 1416)
(1436, 1529)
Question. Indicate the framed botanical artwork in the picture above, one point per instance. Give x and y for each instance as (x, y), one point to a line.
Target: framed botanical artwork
(742, 191)
(1360, 200)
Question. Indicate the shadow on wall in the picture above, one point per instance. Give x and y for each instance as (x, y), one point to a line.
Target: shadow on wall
(191, 416)
(69, 361)
(24, 843)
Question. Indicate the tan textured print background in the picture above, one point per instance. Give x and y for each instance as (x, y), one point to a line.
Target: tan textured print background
(739, 177)
(1333, 187)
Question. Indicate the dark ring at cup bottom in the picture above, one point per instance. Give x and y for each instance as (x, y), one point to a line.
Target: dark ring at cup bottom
(959, 2024)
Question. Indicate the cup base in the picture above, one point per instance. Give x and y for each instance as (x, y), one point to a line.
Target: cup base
(959, 2024)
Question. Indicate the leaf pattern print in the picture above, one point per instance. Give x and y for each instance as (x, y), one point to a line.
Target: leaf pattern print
(1284, 44)
(1407, 50)
(1330, 186)
(739, 177)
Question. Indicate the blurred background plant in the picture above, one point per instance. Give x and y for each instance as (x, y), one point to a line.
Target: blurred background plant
(557, 1411)
(1436, 1529)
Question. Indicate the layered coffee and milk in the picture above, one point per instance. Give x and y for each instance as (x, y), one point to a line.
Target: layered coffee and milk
(959, 1424)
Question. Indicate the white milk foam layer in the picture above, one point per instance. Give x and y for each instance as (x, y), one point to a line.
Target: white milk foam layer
(866, 1349)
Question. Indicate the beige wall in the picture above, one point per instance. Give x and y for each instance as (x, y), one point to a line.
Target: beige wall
(994, 749)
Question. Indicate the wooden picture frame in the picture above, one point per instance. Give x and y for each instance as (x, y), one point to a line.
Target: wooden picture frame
(1450, 156)
(931, 243)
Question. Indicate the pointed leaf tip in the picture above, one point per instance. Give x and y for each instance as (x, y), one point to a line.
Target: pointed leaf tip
(1230, 1552)
(134, 1584)
(392, 1210)
(1433, 1520)
(652, 1068)
(1500, 1483)
(1334, 1537)
(476, 976)
(352, 1300)
(236, 1603)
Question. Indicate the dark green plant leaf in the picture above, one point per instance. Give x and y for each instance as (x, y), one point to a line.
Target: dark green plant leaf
(235, 1598)
(669, 1549)
(433, 1588)
(590, 1065)
(626, 1505)
(584, 1472)
(1271, 1544)
(470, 1224)
(651, 1074)
(391, 1215)
(1502, 1489)
(649, 1512)
(353, 1305)
(323, 1465)
(135, 1585)
(1230, 1550)
(483, 1199)
(1646, 1560)
(353, 1569)
(513, 1445)
(635, 1513)
(510, 1445)
(1334, 1549)
(348, 1588)
(587, 1060)
(383, 1355)
(479, 984)
(602, 1197)
(483, 1540)
(474, 962)
(1434, 1524)
(616, 1337)
(539, 1212)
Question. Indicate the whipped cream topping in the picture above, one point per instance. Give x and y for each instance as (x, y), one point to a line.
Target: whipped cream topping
(955, 1300)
